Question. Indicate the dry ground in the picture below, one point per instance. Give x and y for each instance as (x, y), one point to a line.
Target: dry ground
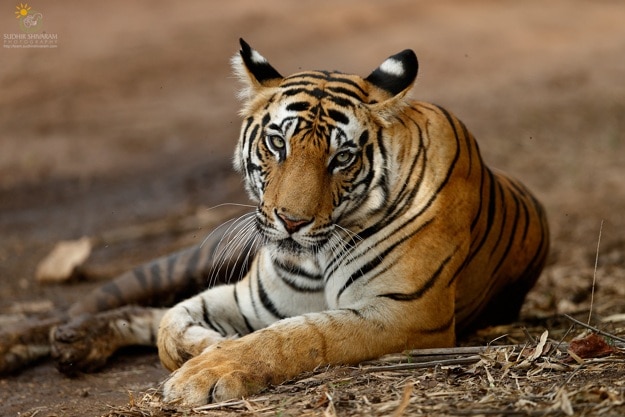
(133, 118)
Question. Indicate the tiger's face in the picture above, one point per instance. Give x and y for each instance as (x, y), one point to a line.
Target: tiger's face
(310, 152)
(308, 165)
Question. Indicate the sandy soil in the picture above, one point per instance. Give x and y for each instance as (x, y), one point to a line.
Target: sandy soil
(132, 117)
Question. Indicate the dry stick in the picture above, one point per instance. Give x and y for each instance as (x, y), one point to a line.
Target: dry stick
(428, 358)
(426, 355)
(594, 274)
(561, 341)
(418, 365)
(594, 329)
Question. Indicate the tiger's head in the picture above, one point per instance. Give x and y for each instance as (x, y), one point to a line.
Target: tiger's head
(312, 146)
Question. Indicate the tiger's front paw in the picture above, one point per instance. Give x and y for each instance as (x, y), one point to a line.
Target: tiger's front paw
(217, 374)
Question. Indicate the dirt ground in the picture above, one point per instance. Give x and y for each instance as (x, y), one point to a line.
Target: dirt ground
(133, 118)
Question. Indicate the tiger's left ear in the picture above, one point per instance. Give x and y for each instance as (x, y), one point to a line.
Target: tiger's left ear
(391, 81)
(254, 71)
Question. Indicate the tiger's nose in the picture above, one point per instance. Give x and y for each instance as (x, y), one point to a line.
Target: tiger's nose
(292, 223)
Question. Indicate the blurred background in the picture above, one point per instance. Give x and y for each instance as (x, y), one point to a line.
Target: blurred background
(130, 117)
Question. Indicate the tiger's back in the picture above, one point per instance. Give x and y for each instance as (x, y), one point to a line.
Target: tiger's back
(508, 240)
(503, 236)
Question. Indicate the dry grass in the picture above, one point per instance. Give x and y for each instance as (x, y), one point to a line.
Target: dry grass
(541, 377)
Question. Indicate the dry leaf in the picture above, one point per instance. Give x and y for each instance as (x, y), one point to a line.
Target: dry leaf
(540, 348)
(590, 346)
(60, 264)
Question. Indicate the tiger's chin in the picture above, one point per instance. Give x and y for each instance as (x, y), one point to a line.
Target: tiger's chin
(292, 247)
(289, 245)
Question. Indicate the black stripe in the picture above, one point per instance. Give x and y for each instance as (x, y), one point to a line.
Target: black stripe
(296, 270)
(503, 221)
(409, 190)
(246, 138)
(246, 126)
(295, 286)
(250, 287)
(354, 312)
(209, 322)
(375, 228)
(113, 290)
(300, 79)
(512, 235)
(141, 278)
(468, 142)
(450, 119)
(295, 91)
(155, 277)
(492, 205)
(170, 266)
(524, 194)
(421, 291)
(266, 301)
(287, 85)
(250, 138)
(298, 106)
(248, 326)
(344, 92)
(368, 156)
(526, 218)
(338, 116)
(343, 102)
(335, 78)
(478, 214)
(377, 259)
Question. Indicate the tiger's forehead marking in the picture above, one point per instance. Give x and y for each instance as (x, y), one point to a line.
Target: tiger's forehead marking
(342, 88)
(324, 105)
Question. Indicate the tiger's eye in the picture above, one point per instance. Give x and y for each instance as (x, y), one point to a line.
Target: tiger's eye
(277, 142)
(343, 157)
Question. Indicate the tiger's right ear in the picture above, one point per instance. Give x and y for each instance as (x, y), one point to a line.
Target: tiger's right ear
(254, 71)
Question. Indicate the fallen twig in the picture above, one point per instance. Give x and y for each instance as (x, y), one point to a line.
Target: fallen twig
(594, 329)
(417, 365)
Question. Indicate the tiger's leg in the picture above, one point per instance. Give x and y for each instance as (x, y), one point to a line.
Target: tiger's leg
(232, 311)
(108, 318)
(85, 343)
(241, 367)
(372, 318)
(199, 322)
(25, 342)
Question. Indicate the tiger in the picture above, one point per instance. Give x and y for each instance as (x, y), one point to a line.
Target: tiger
(378, 228)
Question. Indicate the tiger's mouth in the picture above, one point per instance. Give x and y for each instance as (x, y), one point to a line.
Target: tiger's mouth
(294, 243)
